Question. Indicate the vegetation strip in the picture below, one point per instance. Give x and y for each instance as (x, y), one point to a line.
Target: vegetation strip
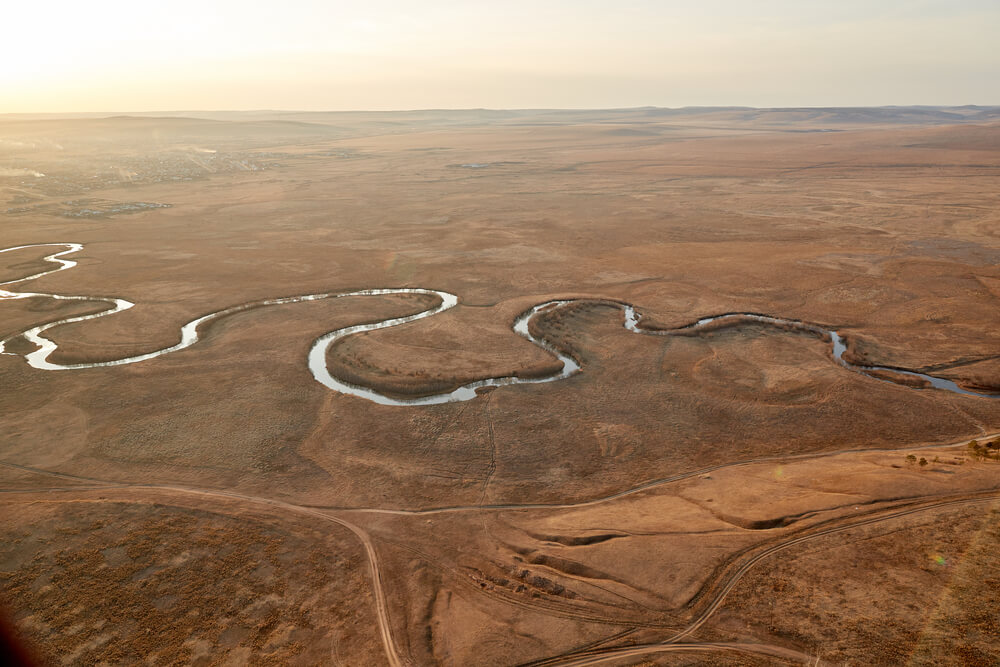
(39, 358)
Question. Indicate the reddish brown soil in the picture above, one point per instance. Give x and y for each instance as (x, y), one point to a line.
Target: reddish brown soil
(99, 579)
(887, 233)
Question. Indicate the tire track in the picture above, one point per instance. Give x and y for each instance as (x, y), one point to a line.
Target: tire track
(381, 607)
(598, 656)
(728, 582)
(723, 583)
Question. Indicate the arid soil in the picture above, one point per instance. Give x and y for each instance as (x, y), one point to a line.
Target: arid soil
(125, 578)
(734, 496)
(938, 592)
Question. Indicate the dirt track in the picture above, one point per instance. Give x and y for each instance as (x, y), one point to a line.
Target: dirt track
(624, 505)
(708, 599)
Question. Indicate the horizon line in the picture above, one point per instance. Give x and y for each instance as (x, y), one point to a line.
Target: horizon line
(712, 107)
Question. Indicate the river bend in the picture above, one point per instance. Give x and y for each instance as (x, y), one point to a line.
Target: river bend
(189, 335)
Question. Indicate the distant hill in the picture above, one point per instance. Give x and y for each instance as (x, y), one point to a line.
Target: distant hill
(274, 128)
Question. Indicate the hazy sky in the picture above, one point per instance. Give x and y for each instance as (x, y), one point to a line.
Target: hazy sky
(143, 55)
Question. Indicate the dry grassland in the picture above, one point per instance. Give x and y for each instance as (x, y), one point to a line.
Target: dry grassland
(735, 489)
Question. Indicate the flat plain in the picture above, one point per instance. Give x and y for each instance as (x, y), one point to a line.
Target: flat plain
(725, 494)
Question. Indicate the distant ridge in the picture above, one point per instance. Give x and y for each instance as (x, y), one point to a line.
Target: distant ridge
(277, 128)
(889, 113)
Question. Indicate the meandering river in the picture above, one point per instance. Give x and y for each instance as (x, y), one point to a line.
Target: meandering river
(44, 347)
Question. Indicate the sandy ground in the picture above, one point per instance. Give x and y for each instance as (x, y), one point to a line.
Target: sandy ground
(305, 526)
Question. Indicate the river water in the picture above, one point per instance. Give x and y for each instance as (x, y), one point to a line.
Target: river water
(39, 358)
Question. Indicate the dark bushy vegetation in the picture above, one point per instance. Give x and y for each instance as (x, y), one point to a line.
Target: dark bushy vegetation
(985, 450)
